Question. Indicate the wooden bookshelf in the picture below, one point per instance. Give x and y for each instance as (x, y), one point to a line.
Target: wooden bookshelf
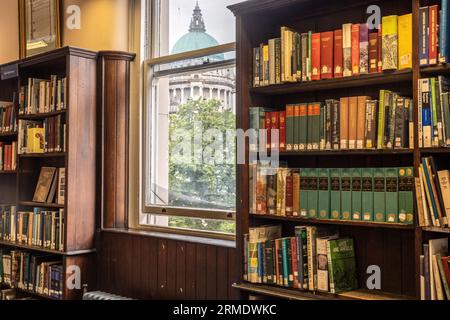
(79, 67)
(8, 134)
(394, 248)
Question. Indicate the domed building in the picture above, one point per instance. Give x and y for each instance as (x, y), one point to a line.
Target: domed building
(218, 84)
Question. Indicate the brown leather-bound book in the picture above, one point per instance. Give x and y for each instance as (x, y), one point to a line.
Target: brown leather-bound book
(337, 54)
(352, 122)
(380, 50)
(326, 54)
(361, 126)
(289, 194)
(373, 52)
(344, 105)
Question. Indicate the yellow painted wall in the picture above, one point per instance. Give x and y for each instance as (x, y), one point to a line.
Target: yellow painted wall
(104, 26)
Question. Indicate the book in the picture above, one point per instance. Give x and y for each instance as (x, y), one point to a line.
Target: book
(379, 195)
(355, 48)
(405, 47)
(322, 263)
(315, 56)
(347, 49)
(373, 52)
(391, 208)
(337, 54)
(44, 184)
(352, 121)
(344, 123)
(390, 42)
(326, 54)
(341, 265)
(364, 48)
(367, 195)
(433, 12)
(356, 182)
(423, 29)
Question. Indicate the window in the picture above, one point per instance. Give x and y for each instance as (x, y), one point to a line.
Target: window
(189, 170)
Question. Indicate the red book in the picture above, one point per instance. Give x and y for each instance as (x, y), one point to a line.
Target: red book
(7, 157)
(294, 262)
(282, 127)
(326, 54)
(289, 195)
(2, 156)
(275, 125)
(338, 53)
(315, 56)
(268, 126)
(373, 52)
(432, 40)
(380, 50)
(355, 49)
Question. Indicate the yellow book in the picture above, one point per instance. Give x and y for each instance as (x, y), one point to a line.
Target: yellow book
(405, 41)
(389, 42)
(35, 140)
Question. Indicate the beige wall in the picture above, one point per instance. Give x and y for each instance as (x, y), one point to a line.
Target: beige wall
(104, 26)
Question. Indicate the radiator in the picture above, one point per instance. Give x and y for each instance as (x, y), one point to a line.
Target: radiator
(98, 295)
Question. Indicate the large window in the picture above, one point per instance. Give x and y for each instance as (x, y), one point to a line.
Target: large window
(189, 171)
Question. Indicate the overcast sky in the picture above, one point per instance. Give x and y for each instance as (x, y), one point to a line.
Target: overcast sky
(220, 22)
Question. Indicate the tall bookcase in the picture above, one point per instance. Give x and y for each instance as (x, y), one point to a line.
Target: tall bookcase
(395, 248)
(79, 67)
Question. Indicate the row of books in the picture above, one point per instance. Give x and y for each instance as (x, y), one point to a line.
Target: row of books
(46, 136)
(13, 294)
(39, 228)
(43, 95)
(315, 259)
(8, 119)
(433, 194)
(350, 51)
(435, 270)
(39, 273)
(434, 112)
(434, 34)
(8, 156)
(351, 123)
(360, 194)
(51, 186)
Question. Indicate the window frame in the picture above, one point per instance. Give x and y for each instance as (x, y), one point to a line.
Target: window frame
(153, 59)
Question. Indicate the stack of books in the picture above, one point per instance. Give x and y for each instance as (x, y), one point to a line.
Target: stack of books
(359, 194)
(8, 156)
(350, 51)
(43, 96)
(8, 119)
(434, 34)
(433, 195)
(435, 270)
(39, 273)
(351, 123)
(42, 136)
(315, 259)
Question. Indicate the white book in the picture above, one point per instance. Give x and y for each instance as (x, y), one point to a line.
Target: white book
(436, 246)
(347, 49)
(437, 279)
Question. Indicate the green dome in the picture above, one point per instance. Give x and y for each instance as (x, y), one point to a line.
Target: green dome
(197, 38)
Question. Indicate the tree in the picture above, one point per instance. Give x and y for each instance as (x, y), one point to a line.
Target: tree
(203, 185)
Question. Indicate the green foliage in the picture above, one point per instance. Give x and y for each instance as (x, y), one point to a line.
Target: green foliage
(202, 185)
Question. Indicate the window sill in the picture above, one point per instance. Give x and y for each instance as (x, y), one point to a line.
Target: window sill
(176, 237)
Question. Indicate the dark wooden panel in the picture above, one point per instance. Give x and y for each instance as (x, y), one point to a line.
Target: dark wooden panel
(142, 267)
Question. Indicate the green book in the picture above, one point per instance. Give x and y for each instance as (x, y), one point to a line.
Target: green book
(322, 126)
(379, 197)
(324, 194)
(303, 123)
(346, 194)
(384, 96)
(356, 194)
(304, 187)
(367, 194)
(341, 265)
(408, 196)
(313, 193)
(335, 194)
(287, 267)
(290, 127)
(316, 126)
(434, 113)
(391, 195)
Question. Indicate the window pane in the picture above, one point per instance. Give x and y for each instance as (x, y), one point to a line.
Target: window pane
(191, 157)
(186, 25)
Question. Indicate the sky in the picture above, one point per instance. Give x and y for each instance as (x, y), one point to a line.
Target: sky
(220, 22)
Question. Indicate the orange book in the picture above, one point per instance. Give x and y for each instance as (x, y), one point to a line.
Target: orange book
(344, 109)
(326, 54)
(315, 56)
(355, 49)
(352, 122)
(360, 131)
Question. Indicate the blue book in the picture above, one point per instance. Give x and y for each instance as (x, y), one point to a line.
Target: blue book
(423, 34)
(444, 36)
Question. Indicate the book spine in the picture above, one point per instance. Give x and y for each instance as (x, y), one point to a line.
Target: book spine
(271, 62)
(344, 123)
(294, 265)
(313, 194)
(380, 48)
(356, 194)
(290, 127)
(373, 52)
(338, 63)
(303, 145)
(347, 49)
(324, 194)
(326, 53)
(361, 122)
(379, 195)
(405, 49)
(443, 33)
(346, 194)
(352, 122)
(304, 187)
(296, 192)
(335, 125)
(355, 49)
(363, 48)
(367, 194)
(432, 39)
(390, 42)
(335, 194)
(282, 128)
(322, 267)
(278, 60)
(315, 56)
(312, 262)
(304, 45)
(399, 132)
(297, 128)
(328, 125)
(392, 195)
(289, 194)
(423, 32)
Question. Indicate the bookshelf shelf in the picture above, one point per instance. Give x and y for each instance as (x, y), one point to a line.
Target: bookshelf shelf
(8, 134)
(346, 152)
(436, 230)
(435, 70)
(434, 150)
(335, 222)
(43, 155)
(31, 293)
(8, 172)
(40, 116)
(332, 84)
(293, 294)
(42, 205)
(41, 249)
